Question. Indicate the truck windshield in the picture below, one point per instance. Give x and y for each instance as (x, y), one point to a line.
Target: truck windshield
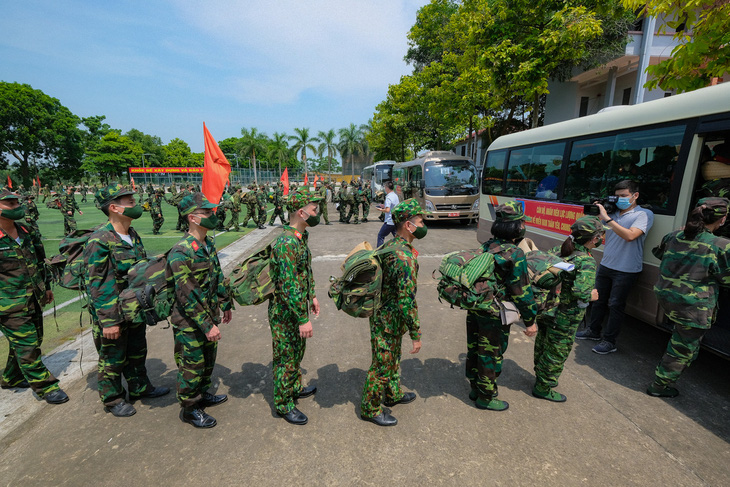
(450, 178)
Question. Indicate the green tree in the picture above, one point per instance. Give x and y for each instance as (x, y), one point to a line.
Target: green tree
(278, 149)
(302, 143)
(350, 144)
(703, 53)
(152, 146)
(328, 146)
(250, 143)
(428, 35)
(112, 156)
(177, 154)
(36, 129)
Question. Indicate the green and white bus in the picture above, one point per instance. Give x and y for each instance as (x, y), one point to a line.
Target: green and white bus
(378, 174)
(554, 170)
(443, 183)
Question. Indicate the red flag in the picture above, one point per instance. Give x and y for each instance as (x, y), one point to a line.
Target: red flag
(315, 179)
(216, 169)
(39, 180)
(10, 183)
(285, 179)
(306, 180)
(133, 186)
(34, 182)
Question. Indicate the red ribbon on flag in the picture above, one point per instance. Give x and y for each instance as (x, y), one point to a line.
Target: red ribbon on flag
(216, 169)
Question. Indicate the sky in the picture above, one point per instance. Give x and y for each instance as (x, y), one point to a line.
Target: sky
(166, 66)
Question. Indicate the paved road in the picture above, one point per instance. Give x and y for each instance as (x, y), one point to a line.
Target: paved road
(608, 433)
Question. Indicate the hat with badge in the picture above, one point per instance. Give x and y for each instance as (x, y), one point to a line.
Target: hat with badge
(586, 227)
(111, 192)
(302, 198)
(511, 211)
(719, 206)
(407, 209)
(7, 194)
(195, 201)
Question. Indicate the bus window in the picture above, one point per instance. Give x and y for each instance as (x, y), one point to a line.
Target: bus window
(645, 156)
(494, 172)
(535, 171)
(449, 178)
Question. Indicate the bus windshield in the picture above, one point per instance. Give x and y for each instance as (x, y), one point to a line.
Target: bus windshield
(450, 178)
(383, 173)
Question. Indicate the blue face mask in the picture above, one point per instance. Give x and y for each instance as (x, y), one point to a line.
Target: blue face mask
(623, 203)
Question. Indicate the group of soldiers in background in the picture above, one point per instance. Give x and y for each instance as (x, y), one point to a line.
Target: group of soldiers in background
(353, 198)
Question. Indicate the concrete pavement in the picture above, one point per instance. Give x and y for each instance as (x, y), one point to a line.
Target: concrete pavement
(608, 433)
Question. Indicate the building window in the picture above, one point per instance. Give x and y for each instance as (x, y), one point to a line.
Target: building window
(667, 94)
(583, 106)
(626, 100)
(463, 150)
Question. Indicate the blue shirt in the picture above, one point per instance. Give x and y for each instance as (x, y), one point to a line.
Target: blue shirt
(391, 201)
(620, 255)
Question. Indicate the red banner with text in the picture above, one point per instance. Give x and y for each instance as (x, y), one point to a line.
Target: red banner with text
(162, 170)
(555, 217)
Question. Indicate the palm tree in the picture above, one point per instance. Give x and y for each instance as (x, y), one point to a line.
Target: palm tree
(329, 146)
(302, 142)
(279, 148)
(251, 142)
(350, 144)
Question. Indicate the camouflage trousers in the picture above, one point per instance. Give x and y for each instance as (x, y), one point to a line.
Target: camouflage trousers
(553, 343)
(124, 356)
(365, 210)
(342, 210)
(221, 214)
(250, 214)
(69, 223)
(682, 350)
(278, 212)
(33, 224)
(233, 223)
(157, 224)
(486, 343)
(351, 211)
(288, 350)
(182, 222)
(261, 219)
(323, 211)
(24, 331)
(383, 379)
(195, 358)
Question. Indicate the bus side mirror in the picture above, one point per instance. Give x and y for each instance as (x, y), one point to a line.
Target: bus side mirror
(422, 183)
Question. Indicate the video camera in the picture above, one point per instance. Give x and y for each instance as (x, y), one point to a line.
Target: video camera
(609, 203)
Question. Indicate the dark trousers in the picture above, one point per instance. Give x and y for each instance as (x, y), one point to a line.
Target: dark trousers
(613, 289)
(385, 230)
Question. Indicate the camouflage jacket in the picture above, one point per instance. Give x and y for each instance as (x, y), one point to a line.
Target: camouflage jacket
(22, 271)
(279, 198)
(261, 198)
(108, 258)
(31, 211)
(291, 273)
(576, 286)
(322, 191)
(155, 205)
(69, 204)
(235, 203)
(201, 291)
(513, 281)
(398, 311)
(690, 276)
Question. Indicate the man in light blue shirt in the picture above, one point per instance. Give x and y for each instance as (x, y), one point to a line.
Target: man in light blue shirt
(620, 267)
(391, 201)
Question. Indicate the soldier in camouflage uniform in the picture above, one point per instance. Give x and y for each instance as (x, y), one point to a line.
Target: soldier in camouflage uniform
(220, 213)
(557, 324)
(201, 293)
(342, 201)
(278, 205)
(694, 264)
(109, 253)
(173, 189)
(487, 338)
(83, 190)
(289, 307)
(25, 287)
(261, 197)
(322, 193)
(363, 194)
(350, 202)
(68, 209)
(46, 192)
(235, 204)
(397, 314)
(182, 222)
(250, 199)
(32, 214)
(155, 204)
(719, 188)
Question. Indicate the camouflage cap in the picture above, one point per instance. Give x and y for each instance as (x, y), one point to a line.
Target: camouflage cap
(111, 192)
(195, 201)
(719, 206)
(302, 198)
(586, 227)
(511, 211)
(7, 194)
(407, 209)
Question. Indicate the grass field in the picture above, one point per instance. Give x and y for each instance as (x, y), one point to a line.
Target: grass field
(73, 319)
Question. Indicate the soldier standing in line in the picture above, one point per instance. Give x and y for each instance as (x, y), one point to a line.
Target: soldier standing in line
(25, 287)
(182, 222)
(220, 213)
(331, 187)
(32, 214)
(109, 253)
(289, 307)
(200, 295)
(173, 189)
(235, 204)
(556, 326)
(155, 203)
(278, 205)
(83, 190)
(322, 193)
(694, 264)
(261, 203)
(368, 199)
(250, 199)
(351, 200)
(68, 209)
(487, 338)
(342, 201)
(396, 315)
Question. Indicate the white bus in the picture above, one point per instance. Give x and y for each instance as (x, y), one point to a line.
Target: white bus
(443, 183)
(554, 170)
(378, 174)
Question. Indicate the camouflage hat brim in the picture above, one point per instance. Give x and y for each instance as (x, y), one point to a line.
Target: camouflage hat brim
(7, 195)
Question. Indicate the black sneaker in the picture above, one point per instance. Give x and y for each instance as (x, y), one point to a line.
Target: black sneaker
(587, 334)
(604, 348)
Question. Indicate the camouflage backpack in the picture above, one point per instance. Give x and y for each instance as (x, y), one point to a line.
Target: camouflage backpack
(68, 266)
(545, 277)
(467, 280)
(358, 291)
(150, 291)
(251, 281)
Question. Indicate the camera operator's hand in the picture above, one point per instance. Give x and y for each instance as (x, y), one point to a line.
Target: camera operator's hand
(602, 212)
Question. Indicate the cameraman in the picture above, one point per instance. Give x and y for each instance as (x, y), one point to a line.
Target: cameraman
(621, 265)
